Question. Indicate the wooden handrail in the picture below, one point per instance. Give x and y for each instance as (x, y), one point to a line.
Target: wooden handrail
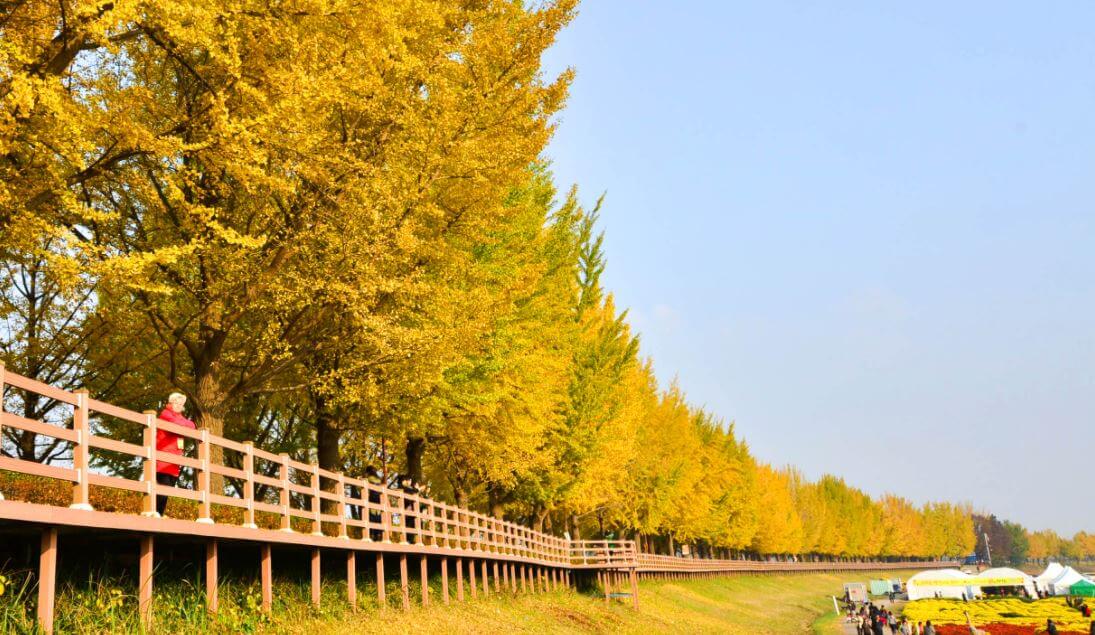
(403, 518)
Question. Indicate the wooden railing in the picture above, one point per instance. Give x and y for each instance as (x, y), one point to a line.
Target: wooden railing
(602, 553)
(646, 562)
(291, 489)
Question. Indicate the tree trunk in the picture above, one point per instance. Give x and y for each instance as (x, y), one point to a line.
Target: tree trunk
(416, 447)
(209, 400)
(27, 443)
(459, 494)
(494, 502)
(327, 450)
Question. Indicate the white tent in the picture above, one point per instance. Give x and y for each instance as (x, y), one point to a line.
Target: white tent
(1008, 577)
(944, 583)
(1060, 584)
(1053, 570)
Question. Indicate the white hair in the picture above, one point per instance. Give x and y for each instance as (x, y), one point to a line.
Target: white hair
(176, 397)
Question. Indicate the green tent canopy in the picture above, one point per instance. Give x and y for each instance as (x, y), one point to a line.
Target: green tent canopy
(1085, 588)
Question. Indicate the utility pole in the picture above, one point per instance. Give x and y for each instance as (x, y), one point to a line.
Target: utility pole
(988, 553)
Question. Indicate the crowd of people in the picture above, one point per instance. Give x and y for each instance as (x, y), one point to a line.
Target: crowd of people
(870, 619)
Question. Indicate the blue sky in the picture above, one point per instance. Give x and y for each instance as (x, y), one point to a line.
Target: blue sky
(864, 232)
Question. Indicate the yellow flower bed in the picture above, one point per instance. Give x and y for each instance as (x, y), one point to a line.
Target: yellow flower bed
(1002, 611)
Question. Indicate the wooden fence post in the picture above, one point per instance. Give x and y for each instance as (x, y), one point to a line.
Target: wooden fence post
(471, 579)
(486, 580)
(459, 579)
(342, 507)
(144, 589)
(267, 577)
(420, 519)
(212, 598)
(148, 465)
(381, 592)
(205, 509)
(351, 579)
(445, 579)
(283, 473)
(249, 484)
(47, 578)
(316, 579)
(386, 513)
(81, 455)
(424, 571)
(403, 582)
(317, 527)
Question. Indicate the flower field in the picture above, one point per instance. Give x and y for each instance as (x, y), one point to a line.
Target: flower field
(1000, 617)
(1000, 629)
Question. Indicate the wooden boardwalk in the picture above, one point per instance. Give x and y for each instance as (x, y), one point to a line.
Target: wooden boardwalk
(338, 513)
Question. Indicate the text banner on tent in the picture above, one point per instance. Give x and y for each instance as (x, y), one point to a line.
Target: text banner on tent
(970, 582)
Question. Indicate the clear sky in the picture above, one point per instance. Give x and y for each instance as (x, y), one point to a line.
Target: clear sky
(863, 231)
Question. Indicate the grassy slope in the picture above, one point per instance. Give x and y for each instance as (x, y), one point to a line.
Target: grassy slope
(745, 604)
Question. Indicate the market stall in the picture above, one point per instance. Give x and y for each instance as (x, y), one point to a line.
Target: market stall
(1083, 588)
(1042, 581)
(1062, 583)
(944, 583)
(1005, 581)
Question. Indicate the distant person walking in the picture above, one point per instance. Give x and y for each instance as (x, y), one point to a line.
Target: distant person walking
(167, 473)
(929, 629)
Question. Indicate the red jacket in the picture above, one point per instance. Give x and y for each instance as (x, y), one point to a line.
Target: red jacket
(169, 441)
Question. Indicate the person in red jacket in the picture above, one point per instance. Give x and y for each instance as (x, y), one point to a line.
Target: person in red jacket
(169, 442)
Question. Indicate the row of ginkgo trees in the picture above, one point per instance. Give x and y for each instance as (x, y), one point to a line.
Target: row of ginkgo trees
(329, 223)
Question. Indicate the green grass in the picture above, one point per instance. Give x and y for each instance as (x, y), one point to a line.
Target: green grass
(741, 604)
(828, 624)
